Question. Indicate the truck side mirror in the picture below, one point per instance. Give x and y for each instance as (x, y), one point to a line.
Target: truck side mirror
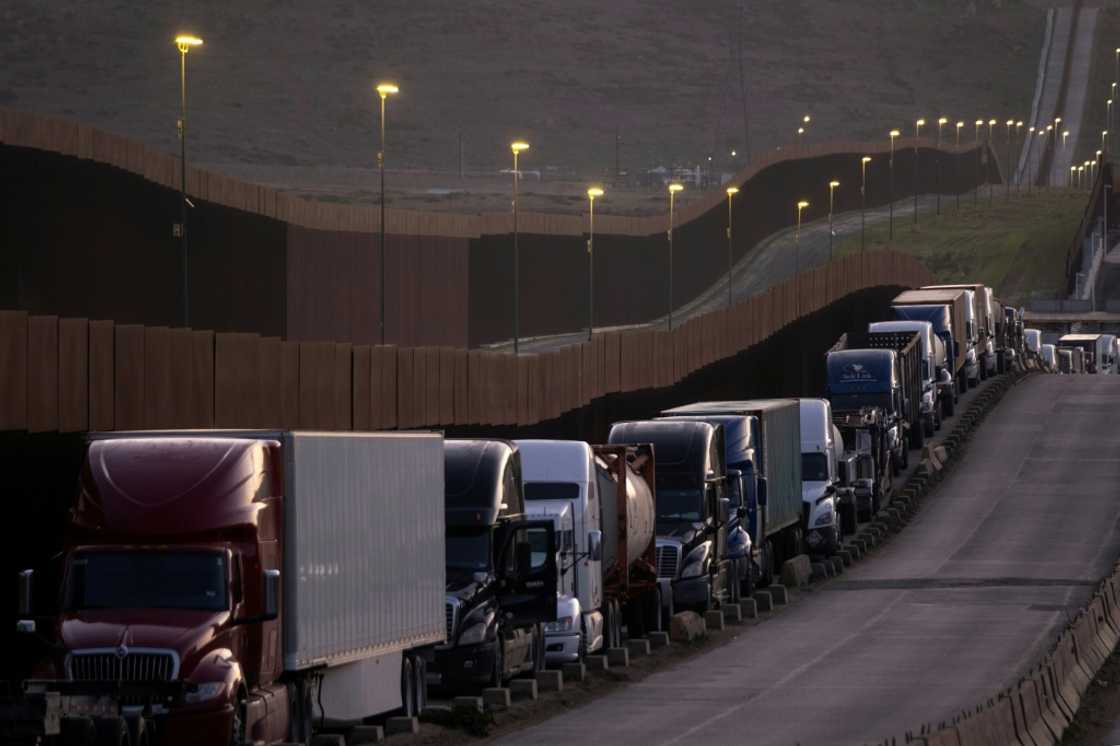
(723, 511)
(25, 580)
(271, 595)
(595, 545)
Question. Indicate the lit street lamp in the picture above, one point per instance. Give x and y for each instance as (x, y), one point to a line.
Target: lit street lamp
(1072, 175)
(894, 134)
(976, 132)
(940, 125)
(592, 193)
(1065, 138)
(831, 189)
(673, 189)
(384, 90)
(517, 147)
(956, 167)
(1018, 172)
(797, 253)
(1007, 176)
(184, 42)
(917, 135)
(1050, 136)
(1104, 141)
(800, 132)
(1030, 154)
(863, 202)
(731, 192)
(1108, 114)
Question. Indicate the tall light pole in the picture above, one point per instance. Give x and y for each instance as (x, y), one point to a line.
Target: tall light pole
(894, 134)
(976, 133)
(863, 202)
(917, 135)
(592, 193)
(1057, 133)
(992, 149)
(1065, 138)
(937, 179)
(797, 253)
(1049, 136)
(1030, 155)
(384, 90)
(731, 192)
(673, 189)
(832, 185)
(800, 132)
(184, 42)
(1072, 176)
(1018, 173)
(517, 147)
(1007, 176)
(1104, 141)
(956, 167)
(804, 128)
(1108, 115)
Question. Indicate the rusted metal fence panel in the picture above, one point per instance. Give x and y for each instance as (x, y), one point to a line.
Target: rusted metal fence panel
(13, 370)
(129, 385)
(42, 373)
(73, 375)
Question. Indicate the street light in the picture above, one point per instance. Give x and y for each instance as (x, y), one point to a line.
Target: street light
(1104, 141)
(831, 189)
(863, 202)
(1018, 172)
(1072, 175)
(894, 134)
(1007, 176)
(1065, 137)
(956, 167)
(184, 43)
(991, 148)
(1049, 133)
(937, 178)
(800, 132)
(1030, 154)
(731, 192)
(673, 189)
(797, 253)
(384, 90)
(517, 147)
(917, 135)
(976, 132)
(592, 193)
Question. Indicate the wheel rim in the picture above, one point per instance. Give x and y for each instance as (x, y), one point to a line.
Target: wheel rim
(408, 689)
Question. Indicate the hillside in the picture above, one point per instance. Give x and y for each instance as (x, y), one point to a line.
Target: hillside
(282, 91)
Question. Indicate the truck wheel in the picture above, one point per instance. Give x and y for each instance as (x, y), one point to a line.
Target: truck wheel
(767, 569)
(538, 650)
(746, 583)
(651, 611)
(963, 384)
(113, 732)
(733, 583)
(420, 676)
(917, 436)
(498, 674)
(408, 688)
(668, 609)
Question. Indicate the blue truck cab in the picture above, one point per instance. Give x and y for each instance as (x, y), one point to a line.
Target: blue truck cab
(741, 438)
(860, 380)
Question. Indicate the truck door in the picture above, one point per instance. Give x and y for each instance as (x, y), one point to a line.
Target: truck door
(528, 562)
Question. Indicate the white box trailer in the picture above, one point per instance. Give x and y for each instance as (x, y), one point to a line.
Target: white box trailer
(364, 561)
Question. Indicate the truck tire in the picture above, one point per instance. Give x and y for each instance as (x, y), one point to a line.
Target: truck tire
(963, 383)
(408, 688)
(767, 569)
(498, 673)
(668, 609)
(538, 650)
(651, 611)
(947, 403)
(733, 582)
(420, 676)
(917, 436)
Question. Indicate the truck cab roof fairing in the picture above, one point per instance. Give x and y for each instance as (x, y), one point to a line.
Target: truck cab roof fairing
(677, 446)
(857, 371)
(174, 485)
(482, 481)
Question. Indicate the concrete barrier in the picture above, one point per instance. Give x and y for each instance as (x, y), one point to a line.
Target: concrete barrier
(574, 671)
(779, 594)
(687, 626)
(638, 648)
(618, 657)
(596, 663)
(1055, 719)
(467, 703)
(550, 681)
(658, 639)
(496, 698)
(732, 613)
(713, 619)
(401, 726)
(1032, 712)
(749, 608)
(763, 601)
(363, 734)
(523, 689)
(796, 571)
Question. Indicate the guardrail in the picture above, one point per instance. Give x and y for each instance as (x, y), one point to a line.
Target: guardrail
(74, 374)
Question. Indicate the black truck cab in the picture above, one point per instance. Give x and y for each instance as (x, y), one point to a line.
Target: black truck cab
(692, 509)
(501, 570)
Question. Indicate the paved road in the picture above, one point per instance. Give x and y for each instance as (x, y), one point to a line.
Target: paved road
(955, 608)
(770, 262)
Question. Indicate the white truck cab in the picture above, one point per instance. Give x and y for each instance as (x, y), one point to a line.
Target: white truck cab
(559, 475)
(819, 458)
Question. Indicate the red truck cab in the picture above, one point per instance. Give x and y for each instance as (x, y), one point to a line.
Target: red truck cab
(169, 622)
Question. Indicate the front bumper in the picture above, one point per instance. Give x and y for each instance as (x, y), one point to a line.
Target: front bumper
(692, 591)
(459, 666)
(562, 648)
(823, 540)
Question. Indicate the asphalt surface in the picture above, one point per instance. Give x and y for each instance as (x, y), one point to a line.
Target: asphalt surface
(772, 260)
(953, 609)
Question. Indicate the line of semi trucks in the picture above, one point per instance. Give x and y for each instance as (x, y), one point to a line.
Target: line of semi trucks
(276, 587)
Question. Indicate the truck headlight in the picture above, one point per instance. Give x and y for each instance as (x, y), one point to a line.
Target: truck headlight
(474, 634)
(824, 519)
(560, 625)
(205, 692)
(927, 400)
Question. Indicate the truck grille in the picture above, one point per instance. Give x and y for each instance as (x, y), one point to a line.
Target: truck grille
(452, 609)
(111, 664)
(668, 558)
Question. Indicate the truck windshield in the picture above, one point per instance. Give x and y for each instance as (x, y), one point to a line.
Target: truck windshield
(814, 467)
(468, 550)
(147, 580)
(680, 504)
(551, 491)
